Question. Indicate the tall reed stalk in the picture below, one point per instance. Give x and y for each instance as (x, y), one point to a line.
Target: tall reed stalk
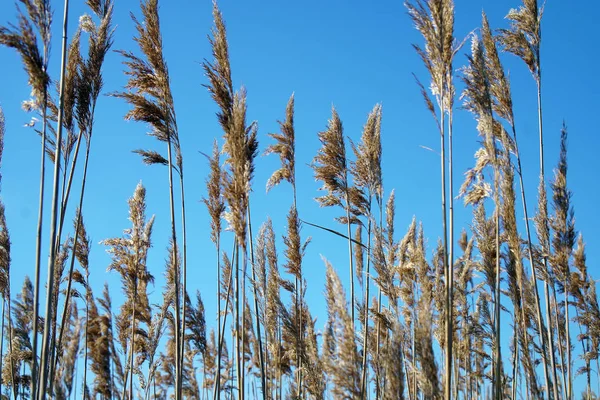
(523, 39)
(89, 86)
(5, 260)
(152, 101)
(240, 146)
(500, 87)
(330, 166)
(478, 100)
(285, 148)
(36, 64)
(216, 207)
(434, 19)
(366, 171)
(46, 351)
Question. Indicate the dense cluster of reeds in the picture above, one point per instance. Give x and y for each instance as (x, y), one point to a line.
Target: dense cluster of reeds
(413, 325)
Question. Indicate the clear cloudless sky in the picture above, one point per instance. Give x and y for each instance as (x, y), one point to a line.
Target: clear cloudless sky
(351, 54)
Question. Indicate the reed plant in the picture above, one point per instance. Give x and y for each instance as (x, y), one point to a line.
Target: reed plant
(424, 322)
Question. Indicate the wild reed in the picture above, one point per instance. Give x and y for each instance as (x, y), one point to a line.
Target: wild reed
(437, 327)
(24, 40)
(331, 167)
(434, 19)
(148, 91)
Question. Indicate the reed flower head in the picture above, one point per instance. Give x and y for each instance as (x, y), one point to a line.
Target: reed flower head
(284, 147)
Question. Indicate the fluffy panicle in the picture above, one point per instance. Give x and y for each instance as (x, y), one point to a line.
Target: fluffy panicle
(150, 157)
(260, 266)
(393, 364)
(385, 272)
(82, 250)
(98, 347)
(226, 277)
(273, 284)
(542, 228)
(294, 251)
(339, 342)
(428, 375)
(499, 83)
(66, 368)
(241, 147)
(314, 378)
(70, 92)
(4, 255)
(240, 140)
(172, 271)
(284, 147)
(476, 94)
(359, 255)
(129, 258)
(90, 69)
(196, 324)
(434, 19)
(148, 88)
(366, 170)
(330, 163)
(483, 231)
(215, 202)
(563, 220)
(219, 71)
(524, 36)
(24, 40)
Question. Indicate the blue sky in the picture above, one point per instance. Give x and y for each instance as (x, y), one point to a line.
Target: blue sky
(351, 54)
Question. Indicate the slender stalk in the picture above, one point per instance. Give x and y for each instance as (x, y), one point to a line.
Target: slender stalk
(184, 274)
(559, 339)
(238, 349)
(585, 344)
(38, 247)
(259, 336)
(299, 300)
(53, 219)
(217, 394)
(72, 263)
(85, 348)
(10, 348)
(450, 262)
(67, 188)
(534, 279)
(414, 344)
(348, 224)
(54, 345)
(448, 322)
(129, 373)
(497, 352)
(297, 290)
(176, 278)
(515, 363)
(568, 342)
(132, 340)
(218, 377)
(366, 321)
(542, 182)
(378, 334)
(550, 338)
(280, 392)
(243, 332)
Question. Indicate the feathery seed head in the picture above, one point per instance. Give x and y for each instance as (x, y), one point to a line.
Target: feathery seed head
(330, 162)
(285, 147)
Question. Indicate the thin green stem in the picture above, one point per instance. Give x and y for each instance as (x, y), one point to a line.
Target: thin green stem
(53, 219)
